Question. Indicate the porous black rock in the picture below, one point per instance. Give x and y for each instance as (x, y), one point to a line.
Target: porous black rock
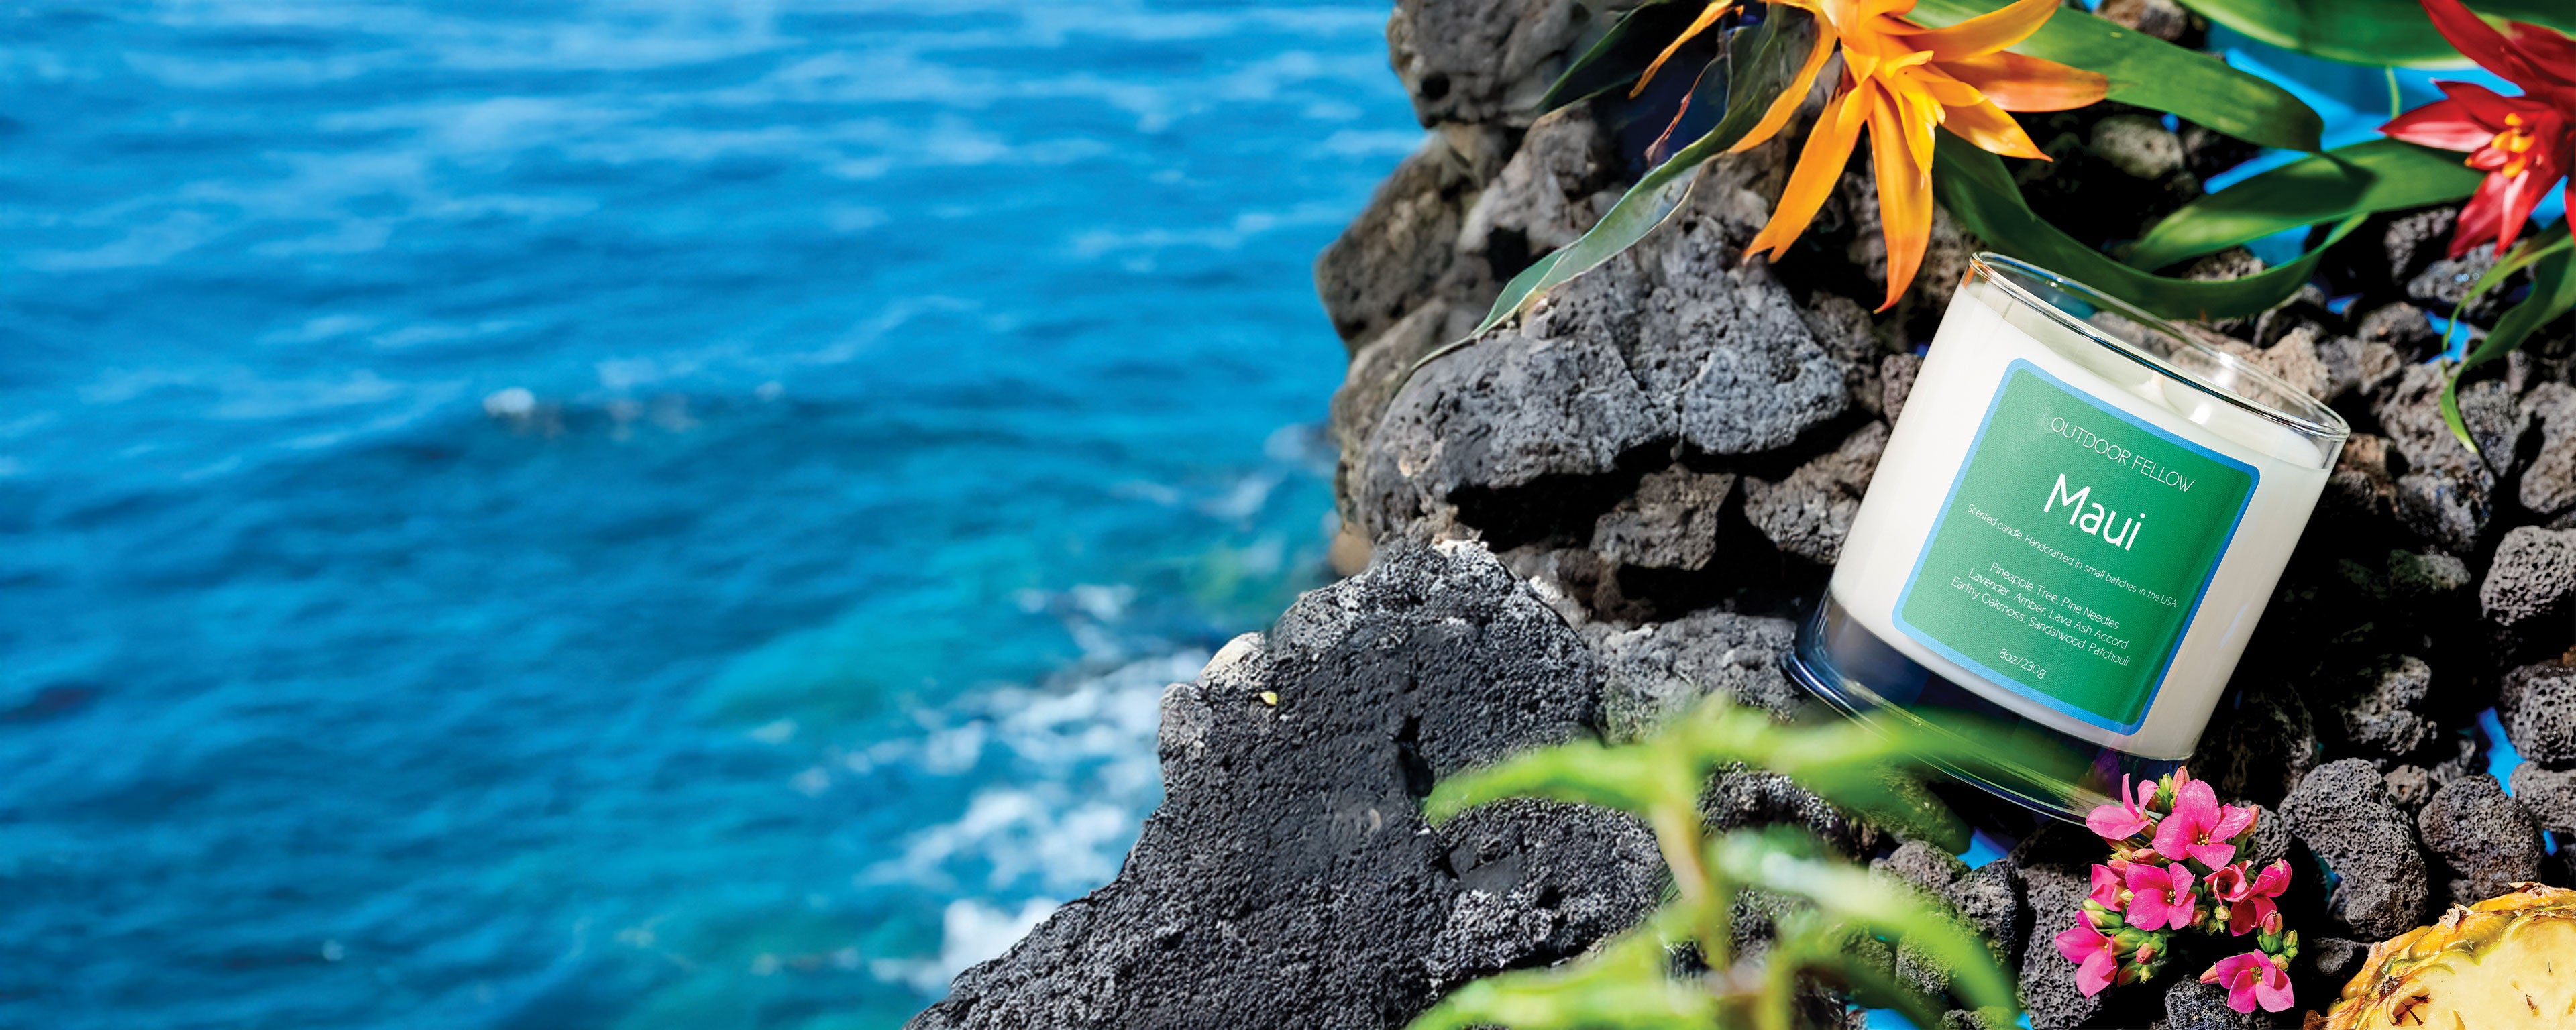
(1477, 62)
(2193, 1005)
(2484, 839)
(1288, 878)
(2261, 747)
(1896, 374)
(2548, 794)
(1670, 522)
(1922, 865)
(2537, 705)
(2530, 590)
(2548, 485)
(1989, 897)
(2048, 993)
(1659, 670)
(1402, 249)
(1753, 797)
(2378, 705)
(1809, 513)
(2342, 812)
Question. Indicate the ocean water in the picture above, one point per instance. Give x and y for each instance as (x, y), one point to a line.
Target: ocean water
(638, 514)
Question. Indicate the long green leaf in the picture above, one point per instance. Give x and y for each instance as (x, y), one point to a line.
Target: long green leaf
(2377, 175)
(1631, 778)
(1766, 859)
(2369, 31)
(1623, 984)
(2553, 293)
(1765, 59)
(1621, 54)
(2529, 250)
(1977, 190)
(2150, 72)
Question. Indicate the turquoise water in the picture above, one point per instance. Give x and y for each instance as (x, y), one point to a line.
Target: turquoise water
(631, 515)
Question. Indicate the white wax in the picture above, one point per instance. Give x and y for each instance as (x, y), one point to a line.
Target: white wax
(1984, 331)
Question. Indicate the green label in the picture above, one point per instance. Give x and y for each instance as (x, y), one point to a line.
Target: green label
(2073, 550)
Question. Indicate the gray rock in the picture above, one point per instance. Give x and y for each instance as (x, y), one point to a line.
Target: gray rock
(2262, 748)
(1896, 373)
(1752, 797)
(2427, 576)
(2537, 704)
(1501, 414)
(1989, 897)
(1403, 248)
(2403, 327)
(1922, 865)
(2193, 1005)
(1376, 369)
(2413, 241)
(2296, 359)
(2549, 482)
(1658, 671)
(2048, 992)
(1980, 1019)
(1809, 513)
(2531, 587)
(2409, 786)
(1287, 878)
(2138, 145)
(2448, 508)
(2485, 840)
(2361, 486)
(2342, 812)
(1671, 522)
(2378, 711)
(1842, 327)
(2410, 412)
(1763, 380)
(2334, 959)
(2271, 838)
(2496, 420)
(1480, 62)
(2548, 794)
(1945, 255)
(1560, 181)
(2443, 284)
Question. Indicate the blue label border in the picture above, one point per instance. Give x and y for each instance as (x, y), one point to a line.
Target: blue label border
(2164, 663)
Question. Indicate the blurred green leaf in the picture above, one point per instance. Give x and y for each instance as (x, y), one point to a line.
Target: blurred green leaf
(2369, 31)
(1623, 984)
(1628, 777)
(1765, 859)
(2150, 72)
(1977, 190)
(2378, 175)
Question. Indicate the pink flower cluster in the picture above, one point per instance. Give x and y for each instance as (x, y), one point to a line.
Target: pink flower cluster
(2172, 843)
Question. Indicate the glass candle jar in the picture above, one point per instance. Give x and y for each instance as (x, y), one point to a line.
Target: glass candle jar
(2075, 525)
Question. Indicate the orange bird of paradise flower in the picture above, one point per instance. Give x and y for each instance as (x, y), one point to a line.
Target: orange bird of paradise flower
(1901, 80)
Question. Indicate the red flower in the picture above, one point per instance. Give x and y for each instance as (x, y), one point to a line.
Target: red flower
(2526, 144)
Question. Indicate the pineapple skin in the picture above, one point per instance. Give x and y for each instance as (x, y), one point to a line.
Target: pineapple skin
(2446, 975)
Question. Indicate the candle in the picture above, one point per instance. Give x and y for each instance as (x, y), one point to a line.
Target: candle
(2070, 536)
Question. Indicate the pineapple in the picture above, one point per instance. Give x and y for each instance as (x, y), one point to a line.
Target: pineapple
(2505, 963)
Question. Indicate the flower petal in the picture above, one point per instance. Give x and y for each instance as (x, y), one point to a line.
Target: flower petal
(1989, 127)
(1707, 16)
(1786, 104)
(2482, 219)
(2552, 51)
(1820, 166)
(2016, 82)
(2095, 974)
(1904, 193)
(2487, 46)
(1986, 33)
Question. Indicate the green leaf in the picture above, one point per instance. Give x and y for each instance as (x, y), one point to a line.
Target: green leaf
(2378, 175)
(2150, 72)
(1622, 984)
(2553, 293)
(2369, 31)
(1631, 778)
(2552, 241)
(1980, 193)
(1767, 859)
(1764, 60)
(1621, 54)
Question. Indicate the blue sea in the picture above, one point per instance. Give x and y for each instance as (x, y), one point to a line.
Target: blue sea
(638, 514)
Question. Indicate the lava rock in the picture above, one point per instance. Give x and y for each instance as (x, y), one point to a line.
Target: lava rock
(1403, 248)
(2445, 283)
(2296, 359)
(2405, 329)
(2163, 19)
(1922, 865)
(1288, 878)
(1560, 181)
(1381, 364)
(2495, 419)
(1989, 897)
(1671, 522)
(2537, 704)
(2138, 145)
(1980, 1019)
(2193, 1005)
(1809, 513)
(1843, 328)
(2378, 712)
(2261, 749)
(2409, 786)
(2342, 812)
(1896, 374)
(2548, 794)
(1752, 797)
(1480, 62)
(1658, 671)
(2531, 588)
(2412, 241)
(2334, 959)
(2486, 840)
(2048, 992)
(2549, 483)
(2361, 488)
